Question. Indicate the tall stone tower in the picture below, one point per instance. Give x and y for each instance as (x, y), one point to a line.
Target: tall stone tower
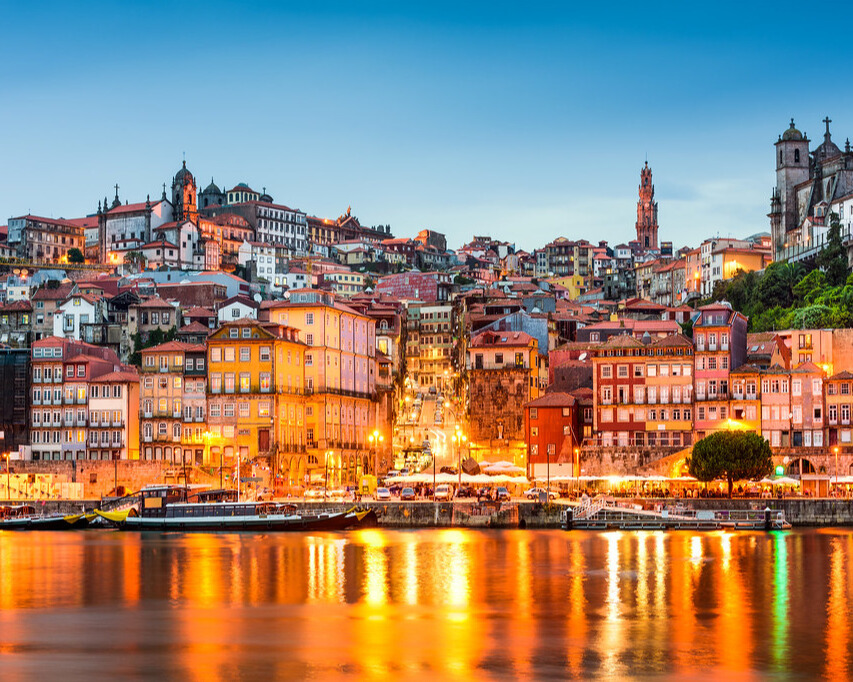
(792, 169)
(184, 196)
(647, 211)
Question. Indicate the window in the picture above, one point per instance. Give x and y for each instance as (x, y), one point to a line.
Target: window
(309, 318)
(215, 409)
(606, 371)
(244, 382)
(229, 410)
(534, 413)
(265, 353)
(266, 382)
(244, 410)
(215, 355)
(519, 359)
(796, 387)
(215, 383)
(263, 409)
(534, 432)
(499, 358)
(622, 371)
(245, 354)
(229, 354)
(638, 371)
(309, 339)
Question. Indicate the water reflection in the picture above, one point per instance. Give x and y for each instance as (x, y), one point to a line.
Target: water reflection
(446, 604)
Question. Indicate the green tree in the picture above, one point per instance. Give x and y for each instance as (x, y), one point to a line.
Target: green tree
(833, 258)
(776, 286)
(136, 261)
(75, 255)
(733, 455)
(810, 287)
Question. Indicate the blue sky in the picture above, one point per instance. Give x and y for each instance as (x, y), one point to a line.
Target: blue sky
(525, 121)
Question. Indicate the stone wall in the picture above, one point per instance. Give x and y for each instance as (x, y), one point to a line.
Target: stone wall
(99, 478)
(604, 461)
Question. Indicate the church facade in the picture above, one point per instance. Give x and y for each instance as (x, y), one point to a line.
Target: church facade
(810, 187)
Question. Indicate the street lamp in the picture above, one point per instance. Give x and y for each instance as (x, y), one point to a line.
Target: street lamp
(835, 449)
(577, 467)
(8, 476)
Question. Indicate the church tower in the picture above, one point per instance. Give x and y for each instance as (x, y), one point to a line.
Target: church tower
(647, 211)
(184, 196)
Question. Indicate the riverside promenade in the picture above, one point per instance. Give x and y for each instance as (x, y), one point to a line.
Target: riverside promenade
(800, 512)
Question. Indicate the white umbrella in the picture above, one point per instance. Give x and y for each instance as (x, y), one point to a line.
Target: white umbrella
(785, 480)
(502, 463)
(505, 470)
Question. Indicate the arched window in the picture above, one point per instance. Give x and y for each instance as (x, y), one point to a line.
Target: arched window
(796, 156)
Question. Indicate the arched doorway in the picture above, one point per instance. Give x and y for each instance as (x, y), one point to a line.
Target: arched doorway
(800, 466)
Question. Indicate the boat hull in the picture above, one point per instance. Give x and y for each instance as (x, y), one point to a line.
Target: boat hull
(259, 524)
(74, 522)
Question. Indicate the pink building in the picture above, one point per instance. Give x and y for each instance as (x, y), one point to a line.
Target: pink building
(719, 335)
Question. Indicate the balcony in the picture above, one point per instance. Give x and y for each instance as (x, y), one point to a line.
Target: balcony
(724, 346)
(712, 347)
(117, 423)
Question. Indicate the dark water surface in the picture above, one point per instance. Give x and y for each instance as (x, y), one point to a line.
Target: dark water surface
(437, 604)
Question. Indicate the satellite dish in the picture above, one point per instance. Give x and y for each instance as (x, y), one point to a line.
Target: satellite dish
(258, 298)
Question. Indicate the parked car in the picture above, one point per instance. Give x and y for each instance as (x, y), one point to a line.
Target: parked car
(485, 495)
(443, 492)
(383, 494)
(407, 494)
(502, 494)
(533, 494)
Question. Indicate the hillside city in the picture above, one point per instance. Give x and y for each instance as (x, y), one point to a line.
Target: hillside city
(217, 334)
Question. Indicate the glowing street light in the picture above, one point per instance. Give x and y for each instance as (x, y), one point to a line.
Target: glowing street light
(835, 450)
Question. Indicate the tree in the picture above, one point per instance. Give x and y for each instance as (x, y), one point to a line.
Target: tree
(833, 258)
(734, 455)
(75, 255)
(136, 260)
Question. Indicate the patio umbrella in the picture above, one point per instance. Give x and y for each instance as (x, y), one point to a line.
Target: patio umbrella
(785, 480)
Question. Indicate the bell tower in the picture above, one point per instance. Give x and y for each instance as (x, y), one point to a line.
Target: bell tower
(184, 196)
(647, 211)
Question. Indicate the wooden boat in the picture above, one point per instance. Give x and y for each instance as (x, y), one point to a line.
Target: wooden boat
(164, 508)
(25, 517)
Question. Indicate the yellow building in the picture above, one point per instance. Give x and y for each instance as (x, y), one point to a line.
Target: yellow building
(574, 284)
(340, 385)
(255, 373)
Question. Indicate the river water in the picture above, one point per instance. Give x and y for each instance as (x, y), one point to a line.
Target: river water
(437, 604)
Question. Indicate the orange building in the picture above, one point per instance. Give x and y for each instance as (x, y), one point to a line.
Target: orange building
(255, 373)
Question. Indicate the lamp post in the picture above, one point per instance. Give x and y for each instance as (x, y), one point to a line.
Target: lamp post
(577, 467)
(326, 477)
(835, 449)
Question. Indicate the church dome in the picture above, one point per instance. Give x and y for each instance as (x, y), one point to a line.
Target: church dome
(183, 175)
(212, 188)
(792, 133)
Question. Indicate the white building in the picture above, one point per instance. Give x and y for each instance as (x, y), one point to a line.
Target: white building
(127, 227)
(76, 310)
(185, 236)
(262, 254)
(237, 308)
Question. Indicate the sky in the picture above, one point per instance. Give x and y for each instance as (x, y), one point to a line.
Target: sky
(523, 121)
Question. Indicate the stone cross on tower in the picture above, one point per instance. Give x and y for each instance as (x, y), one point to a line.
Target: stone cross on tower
(827, 120)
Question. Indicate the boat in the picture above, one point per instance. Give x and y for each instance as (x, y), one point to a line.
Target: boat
(25, 517)
(605, 514)
(165, 508)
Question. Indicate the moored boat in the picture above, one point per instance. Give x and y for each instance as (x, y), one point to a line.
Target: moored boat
(25, 517)
(164, 508)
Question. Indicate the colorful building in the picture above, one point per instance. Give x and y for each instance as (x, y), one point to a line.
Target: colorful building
(719, 336)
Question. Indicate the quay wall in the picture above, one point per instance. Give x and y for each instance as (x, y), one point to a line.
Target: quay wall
(799, 512)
